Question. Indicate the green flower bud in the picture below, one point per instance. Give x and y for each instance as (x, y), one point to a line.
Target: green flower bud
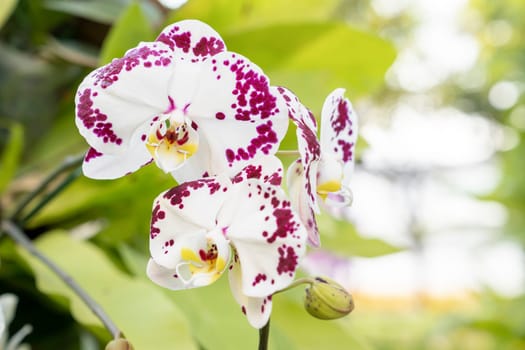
(327, 300)
(119, 344)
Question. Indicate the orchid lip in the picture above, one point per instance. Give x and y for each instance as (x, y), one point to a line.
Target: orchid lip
(172, 140)
(206, 263)
(343, 198)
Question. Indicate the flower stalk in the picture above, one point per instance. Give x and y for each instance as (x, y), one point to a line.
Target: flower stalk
(264, 335)
(67, 165)
(13, 231)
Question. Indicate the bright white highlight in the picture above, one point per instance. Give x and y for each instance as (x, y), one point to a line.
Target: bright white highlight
(504, 95)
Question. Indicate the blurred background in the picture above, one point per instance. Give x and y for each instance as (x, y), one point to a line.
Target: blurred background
(432, 247)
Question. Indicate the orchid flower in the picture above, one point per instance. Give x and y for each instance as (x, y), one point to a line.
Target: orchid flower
(182, 101)
(324, 167)
(201, 228)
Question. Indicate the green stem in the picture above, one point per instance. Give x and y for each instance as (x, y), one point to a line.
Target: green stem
(285, 152)
(68, 164)
(52, 194)
(264, 335)
(297, 282)
(19, 237)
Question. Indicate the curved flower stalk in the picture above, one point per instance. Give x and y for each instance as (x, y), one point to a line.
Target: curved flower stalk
(324, 167)
(201, 228)
(182, 101)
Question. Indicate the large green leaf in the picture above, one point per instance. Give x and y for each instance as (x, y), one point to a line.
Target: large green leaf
(145, 315)
(239, 15)
(131, 28)
(96, 10)
(314, 58)
(10, 157)
(290, 320)
(6, 8)
(216, 319)
(340, 236)
(218, 322)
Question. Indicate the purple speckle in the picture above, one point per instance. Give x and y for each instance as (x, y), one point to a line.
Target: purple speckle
(94, 120)
(208, 47)
(91, 154)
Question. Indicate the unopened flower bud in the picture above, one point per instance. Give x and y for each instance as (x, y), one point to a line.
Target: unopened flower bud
(327, 300)
(119, 344)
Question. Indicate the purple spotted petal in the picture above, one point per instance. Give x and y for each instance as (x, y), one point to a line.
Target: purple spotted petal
(308, 144)
(339, 129)
(192, 40)
(236, 111)
(98, 165)
(296, 179)
(269, 169)
(297, 112)
(257, 310)
(115, 100)
(200, 259)
(188, 209)
(267, 235)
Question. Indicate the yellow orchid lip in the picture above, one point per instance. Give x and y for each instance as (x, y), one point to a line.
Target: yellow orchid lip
(205, 262)
(171, 142)
(327, 187)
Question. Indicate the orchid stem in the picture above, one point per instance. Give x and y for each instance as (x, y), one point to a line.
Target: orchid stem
(264, 335)
(48, 197)
(297, 282)
(285, 152)
(68, 164)
(19, 237)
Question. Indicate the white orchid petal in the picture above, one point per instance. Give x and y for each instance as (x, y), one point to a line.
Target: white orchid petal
(165, 277)
(257, 310)
(199, 260)
(269, 169)
(115, 100)
(308, 144)
(299, 198)
(98, 165)
(192, 40)
(339, 128)
(305, 178)
(189, 209)
(267, 235)
(237, 112)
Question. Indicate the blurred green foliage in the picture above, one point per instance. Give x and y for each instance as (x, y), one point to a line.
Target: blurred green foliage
(98, 230)
(301, 45)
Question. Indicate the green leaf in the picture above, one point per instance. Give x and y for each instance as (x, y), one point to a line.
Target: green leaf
(6, 8)
(11, 156)
(101, 11)
(215, 317)
(218, 322)
(131, 28)
(239, 15)
(144, 314)
(340, 237)
(122, 205)
(312, 58)
(290, 319)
